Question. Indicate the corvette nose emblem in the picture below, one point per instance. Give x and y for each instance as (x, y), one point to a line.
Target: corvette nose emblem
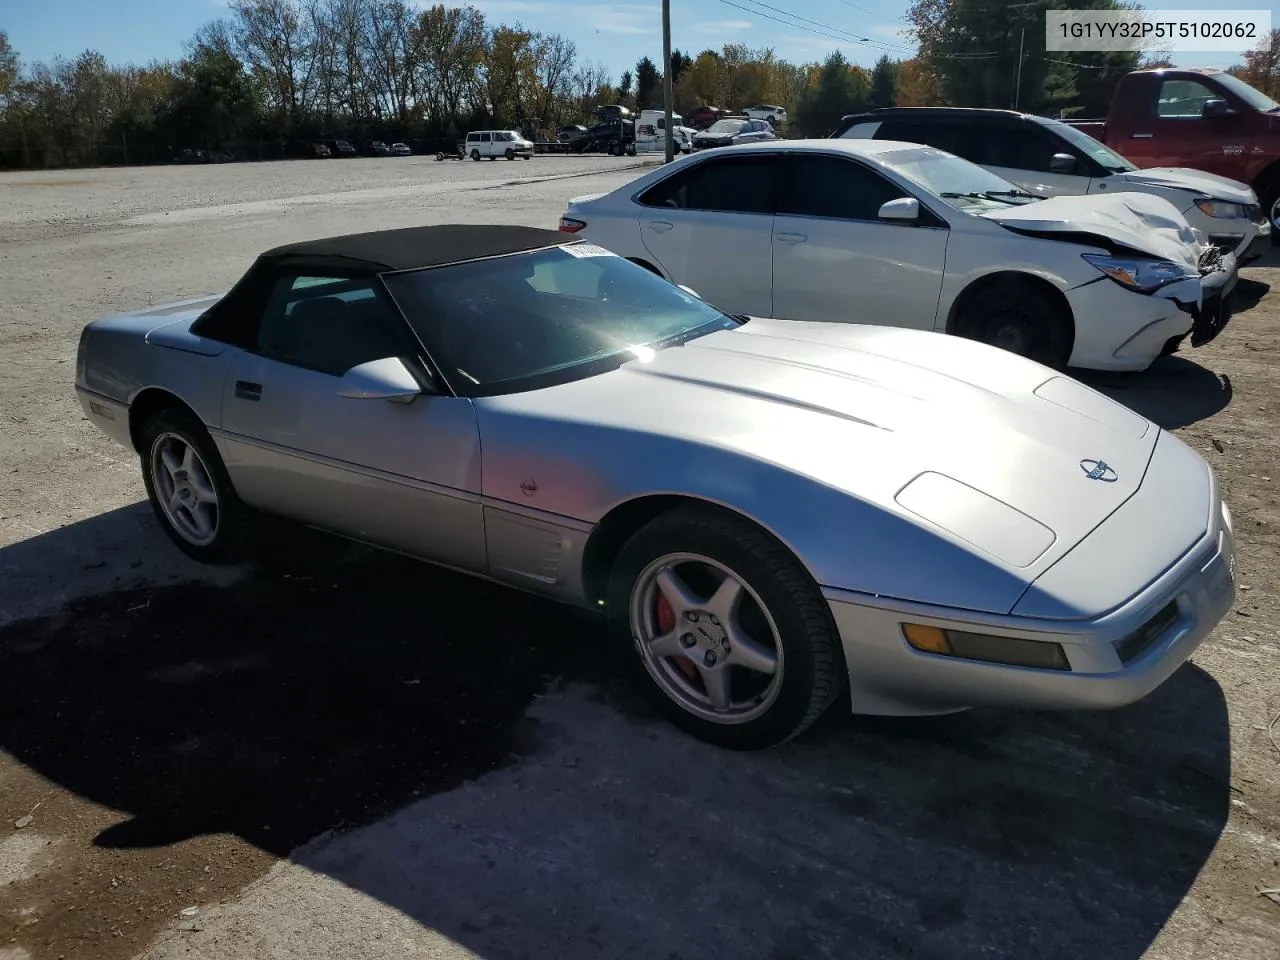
(529, 488)
(1098, 470)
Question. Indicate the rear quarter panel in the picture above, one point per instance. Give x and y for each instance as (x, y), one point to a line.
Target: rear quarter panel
(117, 361)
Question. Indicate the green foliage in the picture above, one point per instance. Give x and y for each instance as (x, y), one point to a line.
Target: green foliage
(648, 85)
(975, 56)
(841, 88)
(884, 83)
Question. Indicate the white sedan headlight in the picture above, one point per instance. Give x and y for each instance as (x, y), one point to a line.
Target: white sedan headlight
(1221, 209)
(1143, 276)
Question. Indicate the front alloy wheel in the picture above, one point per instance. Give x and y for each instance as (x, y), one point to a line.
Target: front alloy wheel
(729, 635)
(706, 638)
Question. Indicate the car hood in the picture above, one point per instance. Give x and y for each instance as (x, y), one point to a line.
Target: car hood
(1136, 221)
(1193, 181)
(924, 437)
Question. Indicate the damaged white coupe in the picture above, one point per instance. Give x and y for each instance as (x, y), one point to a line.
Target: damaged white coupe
(883, 232)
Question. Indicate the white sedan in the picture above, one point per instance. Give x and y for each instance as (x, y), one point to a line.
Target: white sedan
(882, 232)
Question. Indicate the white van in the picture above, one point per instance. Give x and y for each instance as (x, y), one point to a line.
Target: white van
(651, 132)
(498, 143)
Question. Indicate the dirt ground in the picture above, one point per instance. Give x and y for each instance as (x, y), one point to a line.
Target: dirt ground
(339, 753)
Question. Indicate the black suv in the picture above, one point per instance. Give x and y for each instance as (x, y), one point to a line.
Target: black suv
(989, 138)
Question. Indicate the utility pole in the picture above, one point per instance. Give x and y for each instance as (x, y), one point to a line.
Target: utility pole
(666, 78)
(1022, 40)
(1017, 90)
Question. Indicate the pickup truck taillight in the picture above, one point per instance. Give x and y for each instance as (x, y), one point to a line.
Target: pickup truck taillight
(570, 225)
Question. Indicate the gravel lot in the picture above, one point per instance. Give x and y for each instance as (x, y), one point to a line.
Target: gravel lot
(345, 754)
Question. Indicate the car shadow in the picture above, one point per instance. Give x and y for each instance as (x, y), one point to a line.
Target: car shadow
(1248, 294)
(1174, 391)
(336, 686)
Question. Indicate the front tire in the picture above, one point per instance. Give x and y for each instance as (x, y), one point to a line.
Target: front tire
(475, 154)
(510, 154)
(190, 490)
(1014, 315)
(730, 637)
(1269, 197)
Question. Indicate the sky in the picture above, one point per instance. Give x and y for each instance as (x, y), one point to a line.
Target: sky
(615, 34)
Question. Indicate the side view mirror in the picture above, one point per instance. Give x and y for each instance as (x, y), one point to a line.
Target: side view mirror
(1063, 163)
(1213, 109)
(385, 379)
(904, 208)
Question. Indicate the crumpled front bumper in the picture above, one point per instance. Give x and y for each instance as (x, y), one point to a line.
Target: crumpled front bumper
(1211, 316)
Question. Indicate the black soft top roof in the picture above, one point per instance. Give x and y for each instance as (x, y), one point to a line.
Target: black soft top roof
(233, 318)
(413, 247)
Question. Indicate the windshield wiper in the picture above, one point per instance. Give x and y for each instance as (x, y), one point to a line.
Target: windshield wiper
(1003, 196)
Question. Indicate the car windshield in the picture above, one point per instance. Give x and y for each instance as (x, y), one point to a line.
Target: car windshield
(1094, 148)
(531, 320)
(1250, 95)
(726, 127)
(964, 185)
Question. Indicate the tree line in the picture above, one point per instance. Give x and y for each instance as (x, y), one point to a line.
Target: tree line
(274, 75)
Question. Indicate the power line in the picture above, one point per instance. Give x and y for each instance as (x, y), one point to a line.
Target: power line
(829, 32)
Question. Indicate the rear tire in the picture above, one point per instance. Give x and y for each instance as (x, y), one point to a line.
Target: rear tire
(190, 490)
(779, 619)
(1015, 315)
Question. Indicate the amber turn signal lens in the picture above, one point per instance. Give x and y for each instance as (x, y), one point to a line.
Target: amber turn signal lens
(928, 639)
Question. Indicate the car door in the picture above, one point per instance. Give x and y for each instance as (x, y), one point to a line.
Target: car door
(1178, 134)
(834, 259)
(709, 226)
(400, 475)
(1023, 152)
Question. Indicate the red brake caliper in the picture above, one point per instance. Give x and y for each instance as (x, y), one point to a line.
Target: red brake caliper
(667, 623)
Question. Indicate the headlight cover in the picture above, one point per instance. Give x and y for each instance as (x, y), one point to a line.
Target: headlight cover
(1222, 209)
(1135, 273)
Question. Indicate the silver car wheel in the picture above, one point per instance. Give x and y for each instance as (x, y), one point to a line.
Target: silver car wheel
(687, 616)
(184, 489)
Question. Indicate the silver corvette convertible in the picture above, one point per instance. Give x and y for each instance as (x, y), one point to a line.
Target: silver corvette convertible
(766, 511)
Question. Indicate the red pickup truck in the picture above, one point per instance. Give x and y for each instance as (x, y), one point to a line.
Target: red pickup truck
(1206, 119)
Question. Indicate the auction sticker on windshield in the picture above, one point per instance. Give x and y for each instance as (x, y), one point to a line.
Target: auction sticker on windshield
(1174, 31)
(588, 250)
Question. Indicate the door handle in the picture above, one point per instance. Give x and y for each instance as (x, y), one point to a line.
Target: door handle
(245, 390)
(660, 226)
(791, 237)
(1140, 136)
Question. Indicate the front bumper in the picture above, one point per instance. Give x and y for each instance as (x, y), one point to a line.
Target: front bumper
(889, 677)
(1211, 316)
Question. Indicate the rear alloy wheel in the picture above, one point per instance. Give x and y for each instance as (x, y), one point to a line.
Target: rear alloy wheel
(190, 490)
(732, 640)
(1014, 315)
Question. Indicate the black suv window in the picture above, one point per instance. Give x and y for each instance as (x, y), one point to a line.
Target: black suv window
(729, 185)
(330, 324)
(945, 135)
(1017, 147)
(822, 186)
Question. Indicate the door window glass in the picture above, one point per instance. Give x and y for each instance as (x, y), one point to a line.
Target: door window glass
(330, 324)
(729, 185)
(951, 137)
(838, 189)
(1019, 147)
(1183, 98)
